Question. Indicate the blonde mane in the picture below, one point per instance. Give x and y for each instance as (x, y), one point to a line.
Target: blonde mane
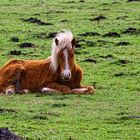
(64, 39)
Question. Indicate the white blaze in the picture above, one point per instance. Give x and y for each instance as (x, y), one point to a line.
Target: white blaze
(66, 71)
(66, 59)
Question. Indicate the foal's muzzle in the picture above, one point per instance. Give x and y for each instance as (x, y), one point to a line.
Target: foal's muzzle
(66, 75)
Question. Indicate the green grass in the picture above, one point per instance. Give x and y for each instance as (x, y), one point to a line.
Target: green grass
(114, 111)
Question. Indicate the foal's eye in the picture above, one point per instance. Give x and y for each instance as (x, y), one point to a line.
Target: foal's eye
(60, 55)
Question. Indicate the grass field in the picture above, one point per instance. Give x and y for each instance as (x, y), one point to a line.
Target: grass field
(110, 58)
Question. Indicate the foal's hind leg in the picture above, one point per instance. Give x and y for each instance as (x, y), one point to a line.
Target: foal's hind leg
(17, 81)
(15, 87)
(10, 90)
(10, 78)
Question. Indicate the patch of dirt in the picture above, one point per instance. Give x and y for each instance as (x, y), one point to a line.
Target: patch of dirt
(36, 14)
(41, 35)
(70, 2)
(36, 21)
(98, 18)
(133, 1)
(123, 113)
(15, 39)
(64, 20)
(52, 34)
(115, 2)
(58, 105)
(104, 4)
(105, 9)
(122, 17)
(102, 41)
(89, 34)
(15, 52)
(3, 110)
(56, 12)
(46, 115)
(119, 74)
(77, 52)
(78, 45)
(109, 56)
(111, 34)
(131, 30)
(122, 61)
(88, 43)
(134, 73)
(82, 1)
(90, 60)
(54, 114)
(27, 45)
(123, 43)
(118, 131)
(6, 134)
(129, 117)
(41, 117)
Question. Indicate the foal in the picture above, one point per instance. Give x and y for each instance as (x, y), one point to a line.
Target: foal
(58, 73)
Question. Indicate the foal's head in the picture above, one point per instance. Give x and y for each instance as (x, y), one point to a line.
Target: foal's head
(63, 54)
(66, 60)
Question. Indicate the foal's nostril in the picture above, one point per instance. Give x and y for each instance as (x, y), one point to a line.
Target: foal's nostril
(69, 74)
(66, 75)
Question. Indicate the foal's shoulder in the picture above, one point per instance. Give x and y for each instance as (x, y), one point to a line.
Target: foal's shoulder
(79, 70)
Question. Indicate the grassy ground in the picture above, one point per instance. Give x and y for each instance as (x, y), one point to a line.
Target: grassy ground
(114, 111)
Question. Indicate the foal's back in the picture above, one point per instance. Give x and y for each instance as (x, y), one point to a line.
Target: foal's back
(25, 63)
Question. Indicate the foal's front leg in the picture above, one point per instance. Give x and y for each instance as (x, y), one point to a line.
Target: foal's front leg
(78, 88)
(83, 90)
(55, 87)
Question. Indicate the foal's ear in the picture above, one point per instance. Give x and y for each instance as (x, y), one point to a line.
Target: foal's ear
(56, 41)
(73, 42)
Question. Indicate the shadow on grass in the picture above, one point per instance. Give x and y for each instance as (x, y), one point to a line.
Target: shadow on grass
(55, 96)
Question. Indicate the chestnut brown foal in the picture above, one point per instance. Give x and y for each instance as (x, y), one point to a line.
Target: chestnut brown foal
(58, 73)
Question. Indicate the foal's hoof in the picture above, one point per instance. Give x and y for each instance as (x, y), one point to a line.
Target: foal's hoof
(25, 91)
(9, 91)
(91, 89)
